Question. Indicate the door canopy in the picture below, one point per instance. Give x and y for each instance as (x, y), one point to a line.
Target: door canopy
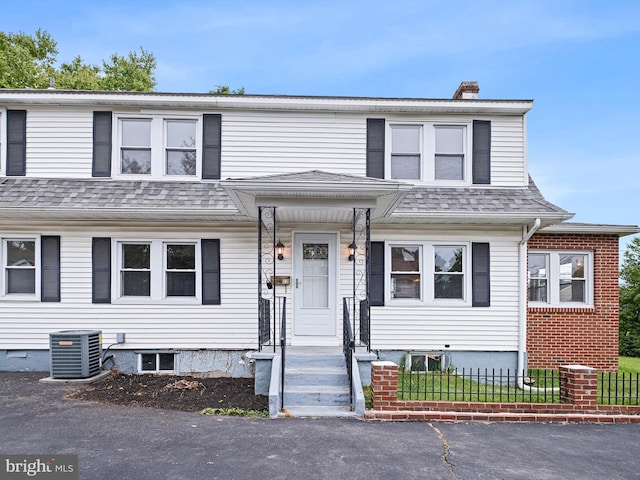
(316, 196)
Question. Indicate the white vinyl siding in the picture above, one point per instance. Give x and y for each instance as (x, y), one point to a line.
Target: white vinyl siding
(508, 152)
(231, 325)
(255, 144)
(462, 327)
(59, 142)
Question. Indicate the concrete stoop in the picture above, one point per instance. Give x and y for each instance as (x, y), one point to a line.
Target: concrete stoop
(316, 385)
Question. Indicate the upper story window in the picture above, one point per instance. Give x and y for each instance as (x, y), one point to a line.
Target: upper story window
(158, 146)
(406, 152)
(429, 152)
(560, 278)
(446, 279)
(449, 153)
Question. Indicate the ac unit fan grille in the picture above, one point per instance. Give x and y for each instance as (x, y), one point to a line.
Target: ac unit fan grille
(75, 353)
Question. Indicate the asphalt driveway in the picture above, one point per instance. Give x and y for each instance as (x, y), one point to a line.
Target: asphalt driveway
(139, 443)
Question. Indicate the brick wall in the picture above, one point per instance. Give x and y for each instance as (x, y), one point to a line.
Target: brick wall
(578, 397)
(586, 336)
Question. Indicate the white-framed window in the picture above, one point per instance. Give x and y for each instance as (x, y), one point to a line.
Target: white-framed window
(406, 152)
(448, 276)
(158, 146)
(430, 273)
(20, 268)
(429, 152)
(560, 278)
(424, 362)
(449, 156)
(406, 277)
(157, 271)
(157, 362)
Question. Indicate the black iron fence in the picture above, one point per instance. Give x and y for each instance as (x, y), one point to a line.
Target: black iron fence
(264, 322)
(619, 388)
(479, 385)
(283, 346)
(348, 344)
(532, 386)
(365, 324)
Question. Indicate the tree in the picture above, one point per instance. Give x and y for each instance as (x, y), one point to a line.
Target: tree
(630, 301)
(26, 61)
(30, 61)
(226, 90)
(133, 73)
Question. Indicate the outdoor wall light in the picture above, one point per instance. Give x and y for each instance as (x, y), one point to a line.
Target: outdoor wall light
(280, 250)
(352, 251)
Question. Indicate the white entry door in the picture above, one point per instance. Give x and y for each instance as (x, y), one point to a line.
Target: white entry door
(314, 288)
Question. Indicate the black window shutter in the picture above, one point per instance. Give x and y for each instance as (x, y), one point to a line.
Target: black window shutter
(50, 269)
(375, 147)
(481, 152)
(211, 146)
(376, 285)
(210, 271)
(101, 268)
(101, 144)
(480, 277)
(16, 143)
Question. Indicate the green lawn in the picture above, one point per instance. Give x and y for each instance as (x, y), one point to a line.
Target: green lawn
(622, 388)
(629, 364)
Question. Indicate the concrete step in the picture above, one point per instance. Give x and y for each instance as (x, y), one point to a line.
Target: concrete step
(313, 395)
(318, 412)
(333, 376)
(316, 384)
(314, 361)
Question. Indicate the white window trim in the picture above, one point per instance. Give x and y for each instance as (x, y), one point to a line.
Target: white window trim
(427, 271)
(158, 268)
(428, 151)
(157, 370)
(553, 279)
(29, 297)
(158, 145)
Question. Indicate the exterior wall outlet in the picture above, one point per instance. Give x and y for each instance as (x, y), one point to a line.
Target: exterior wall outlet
(120, 337)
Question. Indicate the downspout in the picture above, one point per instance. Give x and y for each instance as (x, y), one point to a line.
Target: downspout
(522, 320)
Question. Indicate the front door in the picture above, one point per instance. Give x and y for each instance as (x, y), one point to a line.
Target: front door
(314, 288)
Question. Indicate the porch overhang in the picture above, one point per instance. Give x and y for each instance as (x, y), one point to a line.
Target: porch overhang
(315, 196)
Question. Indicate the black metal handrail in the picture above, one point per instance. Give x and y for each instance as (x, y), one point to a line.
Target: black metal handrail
(348, 344)
(283, 347)
(264, 322)
(365, 324)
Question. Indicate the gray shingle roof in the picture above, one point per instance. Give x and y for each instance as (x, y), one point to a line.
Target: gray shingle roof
(145, 199)
(26, 193)
(424, 200)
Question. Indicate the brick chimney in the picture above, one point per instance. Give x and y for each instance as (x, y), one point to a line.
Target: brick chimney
(467, 91)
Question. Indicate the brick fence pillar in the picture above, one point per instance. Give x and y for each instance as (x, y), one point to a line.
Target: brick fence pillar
(578, 385)
(384, 385)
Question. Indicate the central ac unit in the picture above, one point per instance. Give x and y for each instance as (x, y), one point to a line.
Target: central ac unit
(75, 353)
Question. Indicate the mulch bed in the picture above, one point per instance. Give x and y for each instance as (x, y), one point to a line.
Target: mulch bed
(185, 393)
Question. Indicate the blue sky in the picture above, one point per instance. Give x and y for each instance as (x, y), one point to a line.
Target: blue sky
(579, 60)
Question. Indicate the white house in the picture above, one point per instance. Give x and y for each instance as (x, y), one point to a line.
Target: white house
(183, 220)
